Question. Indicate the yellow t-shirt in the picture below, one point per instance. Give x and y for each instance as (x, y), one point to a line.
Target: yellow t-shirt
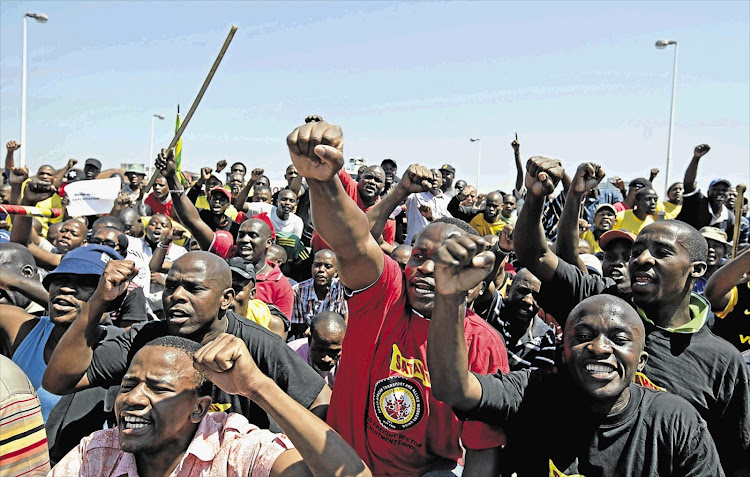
(670, 210)
(627, 220)
(258, 312)
(486, 228)
(593, 242)
(54, 202)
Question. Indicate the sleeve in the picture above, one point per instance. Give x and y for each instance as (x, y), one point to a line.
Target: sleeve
(501, 397)
(255, 208)
(110, 359)
(284, 297)
(298, 313)
(461, 211)
(280, 363)
(134, 306)
(731, 428)
(694, 451)
(690, 206)
(193, 193)
(733, 298)
(254, 454)
(389, 232)
(568, 287)
(350, 185)
(299, 226)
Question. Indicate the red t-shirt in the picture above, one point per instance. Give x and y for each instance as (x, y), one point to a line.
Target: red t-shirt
(273, 288)
(158, 208)
(383, 404)
(350, 186)
(620, 206)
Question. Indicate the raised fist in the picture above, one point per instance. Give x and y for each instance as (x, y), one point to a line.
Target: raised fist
(227, 363)
(701, 150)
(71, 163)
(221, 165)
(516, 145)
(417, 178)
(12, 146)
(542, 175)
(115, 278)
(588, 176)
(461, 263)
(317, 150)
(206, 173)
(18, 175)
(165, 163)
(256, 174)
(37, 191)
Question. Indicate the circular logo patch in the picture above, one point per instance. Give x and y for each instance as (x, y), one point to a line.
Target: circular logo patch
(398, 403)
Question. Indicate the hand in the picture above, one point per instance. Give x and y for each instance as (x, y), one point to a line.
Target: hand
(542, 175)
(71, 163)
(588, 176)
(426, 212)
(166, 237)
(701, 150)
(12, 146)
(516, 145)
(461, 264)
(65, 201)
(583, 226)
(166, 164)
(18, 175)
(256, 174)
(417, 178)
(221, 165)
(37, 191)
(654, 172)
(206, 173)
(618, 182)
(123, 201)
(158, 278)
(227, 363)
(506, 239)
(317, 150)
(115, 279)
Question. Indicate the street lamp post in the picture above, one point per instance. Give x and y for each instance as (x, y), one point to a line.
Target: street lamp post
(661, 44)
(479, 160)
(41, 18)
(151, 148)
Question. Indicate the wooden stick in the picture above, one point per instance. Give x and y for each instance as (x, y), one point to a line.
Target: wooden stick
(737, 215)
(197, 101)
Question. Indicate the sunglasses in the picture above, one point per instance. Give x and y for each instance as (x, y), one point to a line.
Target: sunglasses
(108, 243)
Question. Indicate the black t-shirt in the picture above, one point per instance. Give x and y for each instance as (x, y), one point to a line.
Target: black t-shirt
(549, 426)
(735, 325)
(230, 226)
(273, 357)
(700, 367)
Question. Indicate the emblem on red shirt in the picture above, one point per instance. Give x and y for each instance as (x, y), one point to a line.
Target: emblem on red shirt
(398, 403)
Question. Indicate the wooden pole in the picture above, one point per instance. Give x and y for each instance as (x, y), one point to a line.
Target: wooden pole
(737, 216)
(197, 101)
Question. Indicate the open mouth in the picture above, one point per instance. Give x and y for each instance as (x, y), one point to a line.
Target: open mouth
(63, 305)
(603, 371)
(133, 424)
(424, 289)
(177, 316)
(245, 251)
(370, 189)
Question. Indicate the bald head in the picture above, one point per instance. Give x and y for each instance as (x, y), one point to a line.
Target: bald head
(615, 309)
(328, 323)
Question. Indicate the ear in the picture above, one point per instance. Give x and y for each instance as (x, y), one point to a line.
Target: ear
(27, 271)
(697, 269)
(226, 298)
(202, 405)
(642, 359)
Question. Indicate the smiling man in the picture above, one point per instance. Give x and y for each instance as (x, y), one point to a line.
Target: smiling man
(282, 214)
(164, 426)
(196, 298)
(383, 403)
(666, 259)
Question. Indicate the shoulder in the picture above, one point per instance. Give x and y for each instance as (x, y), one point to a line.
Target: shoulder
(665, 410)
(249, 331)
(13, 381)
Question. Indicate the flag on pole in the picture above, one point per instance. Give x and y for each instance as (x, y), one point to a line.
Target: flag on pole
(178, 147)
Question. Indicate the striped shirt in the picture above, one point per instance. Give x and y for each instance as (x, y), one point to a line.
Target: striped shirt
(23, 440)
(307, 304)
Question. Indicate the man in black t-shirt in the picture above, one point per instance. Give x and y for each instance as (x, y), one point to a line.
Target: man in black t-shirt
(218, 203)
(605, 424)
(197, 296)
(667, 257)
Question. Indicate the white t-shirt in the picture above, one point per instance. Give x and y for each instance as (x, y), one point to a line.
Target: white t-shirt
(140, 252)
(415, 220)
(292, 225)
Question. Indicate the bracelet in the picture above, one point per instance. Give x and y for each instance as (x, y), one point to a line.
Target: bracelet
(163, 248)
(177, 191)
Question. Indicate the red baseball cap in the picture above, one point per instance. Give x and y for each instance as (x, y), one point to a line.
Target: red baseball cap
(222, 190)
(611, 235)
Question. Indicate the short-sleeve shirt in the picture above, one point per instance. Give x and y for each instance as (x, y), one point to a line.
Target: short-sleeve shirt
(224, 444)
(307, 304)
(383, 403)
(112, 357)
(274, 288)
(627, 220)
(656, 434)
(733, 322)
(292, 225)
(486, 228)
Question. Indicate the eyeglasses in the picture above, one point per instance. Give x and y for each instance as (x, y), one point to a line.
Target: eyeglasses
(108, 243)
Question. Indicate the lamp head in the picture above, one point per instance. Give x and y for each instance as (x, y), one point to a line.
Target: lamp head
(661, 44)
(40, 17)
(158, 116)
(474, 139)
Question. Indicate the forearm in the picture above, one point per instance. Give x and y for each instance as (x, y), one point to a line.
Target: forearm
(21, 231)
(239, 202)
(566, 246)
(322, 449)
(296, 184)
(378, 215)
(157, 258)
(28, 287)
(459, 211)
(690, 174)
(74, 352)
(519, 171)
(566, 180)
(724, 279)
(9, 162)
(447, 359)
(532, 251)
(189, 215)
(194, 191)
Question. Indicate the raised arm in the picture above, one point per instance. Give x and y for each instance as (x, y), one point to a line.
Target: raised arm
(239, 202)
(189, 215)
(719, 286)
(463, 212)
(66, 370)
(11, 147)
(542, 176)
(692, 169)
(196, 189)
(587, 177)
(36, 191)
(517, 159)
(17, 177)
(60, 176)
(316, 150)
(319, 450)
(460, 265)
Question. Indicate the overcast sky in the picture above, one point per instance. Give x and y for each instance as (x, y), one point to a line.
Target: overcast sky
(410, 81)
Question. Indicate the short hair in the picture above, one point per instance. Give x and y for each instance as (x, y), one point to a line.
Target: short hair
(458, 223)
(328, 320)
(189, 348)
(643, 191)
(108, 221)
(122, 239)
(238, 164)
(693, 241)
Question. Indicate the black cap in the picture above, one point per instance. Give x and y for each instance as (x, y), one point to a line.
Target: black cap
(93, 162)
(388, 161)
(244, 269)
(449, 168)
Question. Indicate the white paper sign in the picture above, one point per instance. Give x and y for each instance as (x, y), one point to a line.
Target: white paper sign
(92, 197)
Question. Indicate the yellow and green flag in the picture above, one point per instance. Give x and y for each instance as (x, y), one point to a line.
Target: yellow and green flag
(178, 147)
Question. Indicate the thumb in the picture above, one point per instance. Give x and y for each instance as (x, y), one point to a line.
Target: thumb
(329, 155)
(484, 260)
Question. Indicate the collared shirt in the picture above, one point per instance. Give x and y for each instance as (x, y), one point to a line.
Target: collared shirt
(415, 220)
(307, 304)
(699, 308)
(224, 444)
(302, 348)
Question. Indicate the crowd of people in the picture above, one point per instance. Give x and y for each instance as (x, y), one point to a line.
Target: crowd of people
(373, 323)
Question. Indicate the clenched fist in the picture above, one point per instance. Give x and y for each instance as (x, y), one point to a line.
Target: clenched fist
(542, 175)
(317, 150)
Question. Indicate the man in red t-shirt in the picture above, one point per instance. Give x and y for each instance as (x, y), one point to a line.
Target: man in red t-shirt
(383, 403)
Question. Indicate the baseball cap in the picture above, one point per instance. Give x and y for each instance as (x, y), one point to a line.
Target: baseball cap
(640, 182)
(719, 181)
(448, 167)
(592, 263)
(93, 162)
(244, 269)
(136, 169)
(222, 190)
(611, 235)
(74, 175)
(389, 161)
(714, 233)
(85, 260)
(606, 206)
